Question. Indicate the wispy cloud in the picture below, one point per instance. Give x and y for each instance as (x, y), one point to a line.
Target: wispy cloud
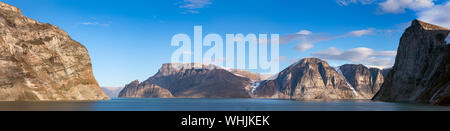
(191, 6)
(304, 32)
(399, 6)
(439, 15)
(348, 2)
(95, 24)
(359, 33)
(426, 10)
(307, 39)
(360, 55)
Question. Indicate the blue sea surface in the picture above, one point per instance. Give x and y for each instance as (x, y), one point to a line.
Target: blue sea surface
(185, 104)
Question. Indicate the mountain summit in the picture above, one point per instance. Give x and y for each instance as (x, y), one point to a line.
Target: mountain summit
(191, 80)
(308, 79)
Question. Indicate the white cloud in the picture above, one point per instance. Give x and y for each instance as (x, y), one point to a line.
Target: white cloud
(399, 6)
(360, 55)
(439, 15)
(347, 2)
(306, 39)
(359, 33)
(303, 46)
(304, 32)
(94, 23)
(192, 5)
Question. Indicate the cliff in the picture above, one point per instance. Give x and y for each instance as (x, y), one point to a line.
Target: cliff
(421, 72)
(41, 62)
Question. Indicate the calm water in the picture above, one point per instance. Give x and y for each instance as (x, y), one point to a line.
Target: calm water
(155, 104)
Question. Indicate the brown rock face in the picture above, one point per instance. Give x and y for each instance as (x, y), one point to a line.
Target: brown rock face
(41, 62)
(366, 81)
(308, 79)
(422, 68)
(195, 81)
(145, 90)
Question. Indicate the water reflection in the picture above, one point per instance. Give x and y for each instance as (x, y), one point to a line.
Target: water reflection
(155, 104)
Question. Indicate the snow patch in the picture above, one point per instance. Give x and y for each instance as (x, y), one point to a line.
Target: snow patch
(254, 86)
(338, 69)
(236, 74)
(447, 40)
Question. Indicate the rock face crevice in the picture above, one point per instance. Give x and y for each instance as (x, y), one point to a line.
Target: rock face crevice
(41, 62)
(366, 81)
(421, 72)
(308, 79)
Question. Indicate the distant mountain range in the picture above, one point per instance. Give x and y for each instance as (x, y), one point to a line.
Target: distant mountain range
(420, 74)
(310, 78)
(193, 81)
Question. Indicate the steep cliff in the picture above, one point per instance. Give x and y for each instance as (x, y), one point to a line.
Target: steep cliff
(366, 81)
(41, 62)
(308, 79)
(195, 81)
(421, 72)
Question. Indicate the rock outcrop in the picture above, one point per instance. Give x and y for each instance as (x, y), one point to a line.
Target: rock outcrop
(145, 90)
(41, 62)
(366, 81)
(421, 72)
(308, 79)
(193, 81)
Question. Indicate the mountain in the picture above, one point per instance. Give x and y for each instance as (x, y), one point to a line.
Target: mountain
(112, 91)
(193, 81)
(41, 62)
(421, 72)
(366, 81)
(145, 90)
(308, 79)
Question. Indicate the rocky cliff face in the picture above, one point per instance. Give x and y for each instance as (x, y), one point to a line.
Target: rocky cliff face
(386, 72)
(366, 81)
(41, 62)
(421, 72)
(194, 81)
(308, 79)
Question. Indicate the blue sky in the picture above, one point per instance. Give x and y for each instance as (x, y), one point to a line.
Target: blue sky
(129, 40)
